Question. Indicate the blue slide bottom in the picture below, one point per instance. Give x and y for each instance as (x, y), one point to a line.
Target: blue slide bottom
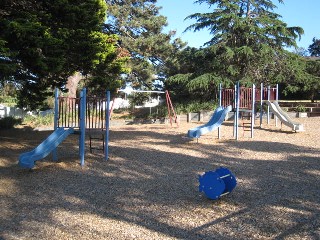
(216, 120)
(28, 159)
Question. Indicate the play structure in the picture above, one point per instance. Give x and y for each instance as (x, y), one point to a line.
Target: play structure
(243, 102)
(74, 115)
(27, 160)
(86, 115)
(284, 117)
(218, 183)
(215, 122)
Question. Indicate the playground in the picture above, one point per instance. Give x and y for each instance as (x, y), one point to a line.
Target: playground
(148, 189)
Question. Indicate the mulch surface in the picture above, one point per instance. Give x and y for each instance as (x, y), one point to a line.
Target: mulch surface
(148, 189)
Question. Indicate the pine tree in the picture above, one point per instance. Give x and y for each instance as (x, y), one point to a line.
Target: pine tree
(314, 48)
(248, 38)
(140, 28)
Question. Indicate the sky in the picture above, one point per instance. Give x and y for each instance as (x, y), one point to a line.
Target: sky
(301, 13)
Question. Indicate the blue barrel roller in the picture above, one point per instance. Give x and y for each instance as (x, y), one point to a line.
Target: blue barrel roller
(217, 183)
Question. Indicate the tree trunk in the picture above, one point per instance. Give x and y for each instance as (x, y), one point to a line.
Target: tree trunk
(72, 84)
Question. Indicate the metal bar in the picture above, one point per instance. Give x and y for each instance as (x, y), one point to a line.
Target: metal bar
(82, 125)
(252, 108)
(143, 91)
(225, 176)
(261, 103)
(220, 93)
(56, 119)
(106, 149)
(237, 110)
(224, 194)
(268, 108)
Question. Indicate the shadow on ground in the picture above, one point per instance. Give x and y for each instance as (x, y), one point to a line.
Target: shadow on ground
(150, 185)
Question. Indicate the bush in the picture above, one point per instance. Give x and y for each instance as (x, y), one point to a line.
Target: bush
(195, 107)
(9, 122)
(8, 101)
(300, 108)
(37, 121)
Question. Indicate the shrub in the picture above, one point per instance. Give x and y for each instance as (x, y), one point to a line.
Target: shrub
(9, 122)
(300, 108)
(37, 121)
(195, 107)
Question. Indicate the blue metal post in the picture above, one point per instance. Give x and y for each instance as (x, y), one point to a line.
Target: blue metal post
(268, 108)
(56, 108)
(106, 153)
(253, 113)
(261, 104)
(220, 102)
(55, 120)
(277, 96)
(83, 104)
(220, 94)
(237, 109)
(235, 106)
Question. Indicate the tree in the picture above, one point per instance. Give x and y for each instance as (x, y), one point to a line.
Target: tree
(193, 77)
(44, 42)
(248, 39)
(314, 48)
(140, 28)
(301, 51)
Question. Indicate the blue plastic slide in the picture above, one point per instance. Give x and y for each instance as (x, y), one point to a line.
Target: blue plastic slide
(216, 120)
(27, 160)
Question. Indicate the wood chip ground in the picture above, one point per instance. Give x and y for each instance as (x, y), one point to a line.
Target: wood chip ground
(148, 189)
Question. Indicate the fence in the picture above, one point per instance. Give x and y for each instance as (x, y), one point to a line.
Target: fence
(69, 112)
(13, 112)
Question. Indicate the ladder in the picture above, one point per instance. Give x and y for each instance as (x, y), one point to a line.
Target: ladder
(95, 138)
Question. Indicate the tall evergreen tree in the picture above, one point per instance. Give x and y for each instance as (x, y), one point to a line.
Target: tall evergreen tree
(248, 38)
(314, 48)
(140, 28)
(44, 42)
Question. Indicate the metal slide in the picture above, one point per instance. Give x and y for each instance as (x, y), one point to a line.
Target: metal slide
(27, 160)
(284, 117)
(216, 120)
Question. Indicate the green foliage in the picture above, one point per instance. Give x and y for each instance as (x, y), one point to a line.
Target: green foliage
(138, 99)
(8, 101)
(314, 48)
(247, 39)
(9, 122)
(140, 29)
(37, 121)
(193, 78)
(300, 108)
(43, 42)
(195, 107)
(301, 78)
(8, 93)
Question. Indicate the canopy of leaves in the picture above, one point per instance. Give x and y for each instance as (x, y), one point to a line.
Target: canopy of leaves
(314, 48)
(140, 28)
(248, 38)
(43, 42)
(193, 77)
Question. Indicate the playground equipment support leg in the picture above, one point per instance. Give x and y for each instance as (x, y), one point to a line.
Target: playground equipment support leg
(237, 110)
(252, 109)
(106, 149)
(55, 120)
(82, 125)
(220, 102)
